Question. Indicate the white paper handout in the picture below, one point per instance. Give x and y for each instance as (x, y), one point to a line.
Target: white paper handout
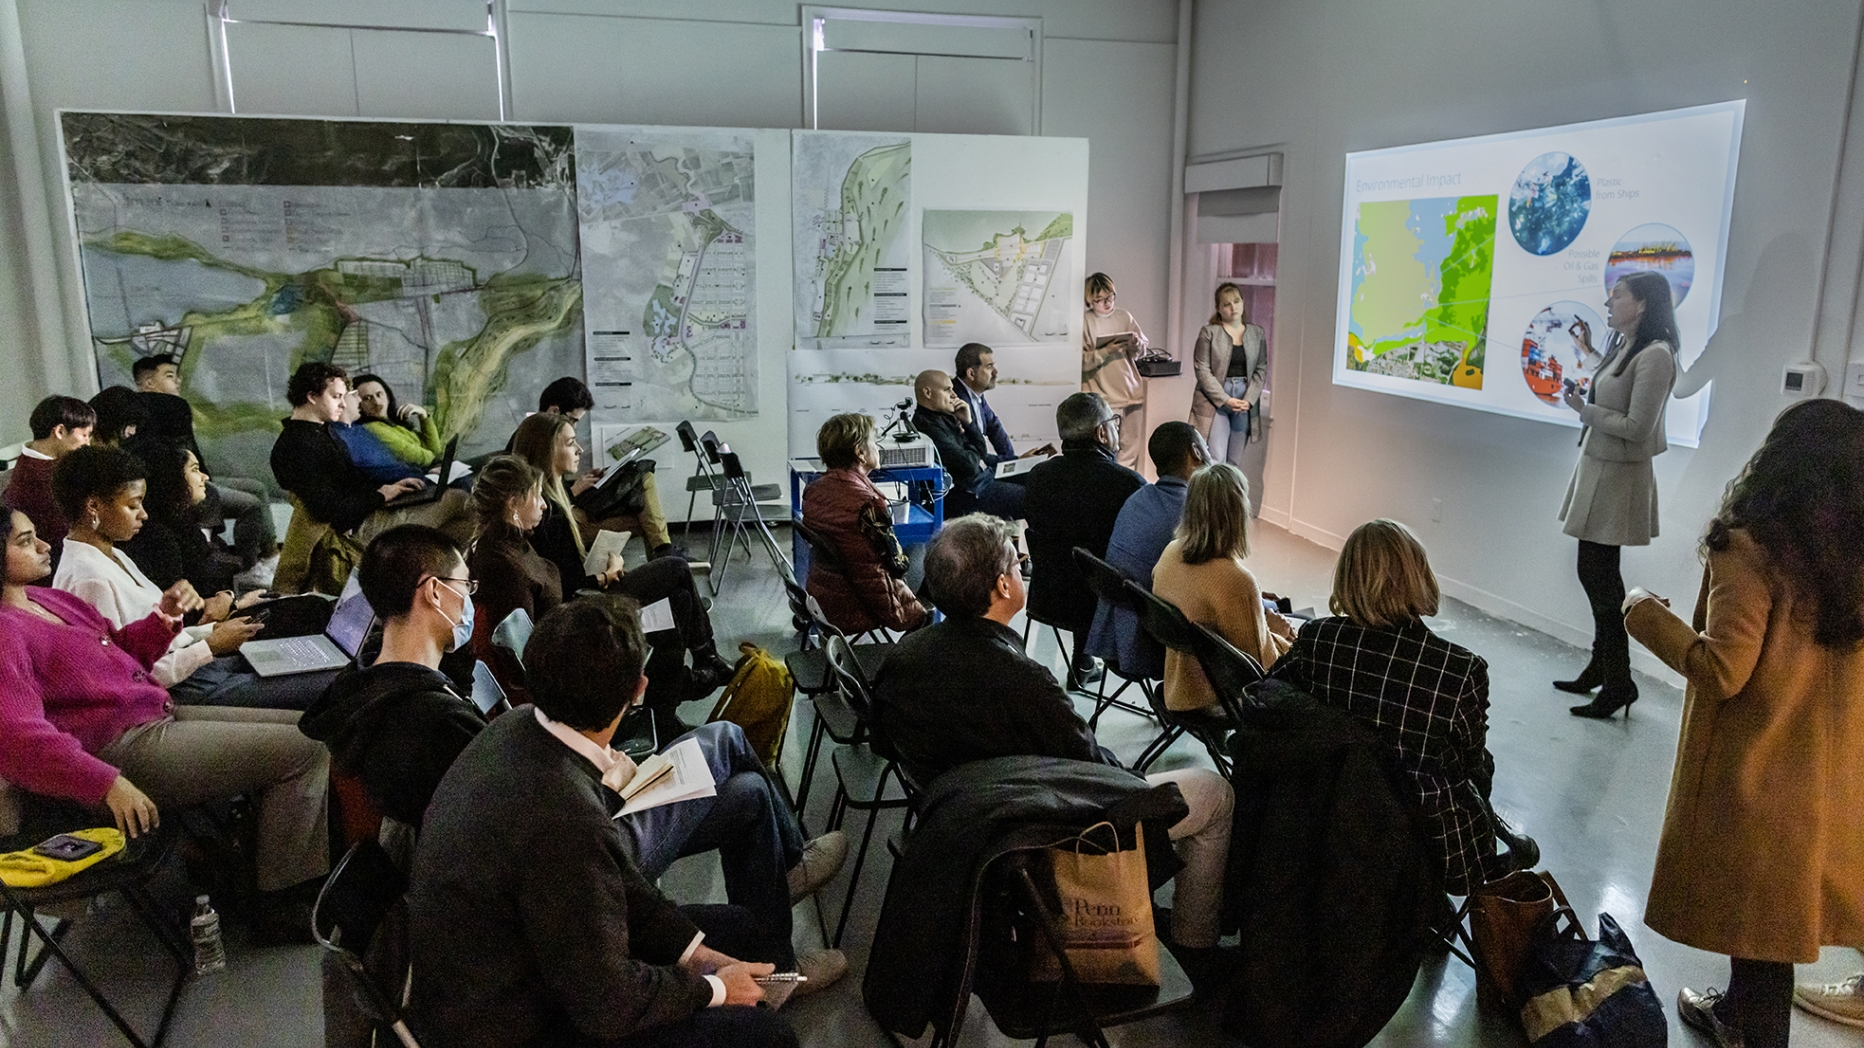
(606, 542)
(689, 780)
(657, 616)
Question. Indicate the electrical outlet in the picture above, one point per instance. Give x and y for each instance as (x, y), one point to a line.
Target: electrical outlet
(1854, 380)
(1436, 511)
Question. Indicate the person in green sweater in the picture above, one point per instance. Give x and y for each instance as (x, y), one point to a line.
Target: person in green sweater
(407, 430)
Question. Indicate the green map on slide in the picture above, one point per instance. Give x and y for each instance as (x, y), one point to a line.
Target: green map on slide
(441, 257)
(1420, 290)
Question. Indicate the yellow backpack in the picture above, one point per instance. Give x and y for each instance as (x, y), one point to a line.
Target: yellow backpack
(758, 700)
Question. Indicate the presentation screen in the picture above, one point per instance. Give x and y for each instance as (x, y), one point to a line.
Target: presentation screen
(1470, 269)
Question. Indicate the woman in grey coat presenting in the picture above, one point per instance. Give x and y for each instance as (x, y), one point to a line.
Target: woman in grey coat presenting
(1232, 368)
(1611, 501)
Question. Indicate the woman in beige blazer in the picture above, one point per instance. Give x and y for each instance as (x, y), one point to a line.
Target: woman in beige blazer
(1611, 502)
(1232, 368)
(1202, 572)
(1762, 853)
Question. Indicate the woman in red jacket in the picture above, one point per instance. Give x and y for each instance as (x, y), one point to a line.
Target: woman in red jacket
(867, 589)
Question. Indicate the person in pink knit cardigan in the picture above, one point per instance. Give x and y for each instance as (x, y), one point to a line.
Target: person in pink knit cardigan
(82, 718)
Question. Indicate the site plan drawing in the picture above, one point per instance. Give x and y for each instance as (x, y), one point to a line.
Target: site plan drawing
(997, 277)
(441, 257)
(852, 201)
(668, 261)
(1420, 289)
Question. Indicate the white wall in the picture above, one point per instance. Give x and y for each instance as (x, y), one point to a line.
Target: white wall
(1316, 79)
(1106, 76)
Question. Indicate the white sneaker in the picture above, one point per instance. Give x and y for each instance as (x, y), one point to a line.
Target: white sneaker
(1841, 1002)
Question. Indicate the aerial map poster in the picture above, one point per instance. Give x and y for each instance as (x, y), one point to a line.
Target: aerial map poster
(668, 253)
(1452, 251)
(852, 197)
(997, 277)
(442, 257)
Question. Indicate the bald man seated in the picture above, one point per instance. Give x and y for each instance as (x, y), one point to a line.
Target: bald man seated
(962, 449)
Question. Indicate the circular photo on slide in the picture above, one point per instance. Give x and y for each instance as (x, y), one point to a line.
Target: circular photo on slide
(1658, 248)
(1549, 203)
(1551, 354)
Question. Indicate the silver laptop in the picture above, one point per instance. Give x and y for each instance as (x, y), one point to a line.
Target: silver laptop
(333, 649)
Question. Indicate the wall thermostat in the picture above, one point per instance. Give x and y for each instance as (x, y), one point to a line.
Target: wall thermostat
(1803, 380)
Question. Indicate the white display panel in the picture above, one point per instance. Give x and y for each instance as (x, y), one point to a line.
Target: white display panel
(1463, 263)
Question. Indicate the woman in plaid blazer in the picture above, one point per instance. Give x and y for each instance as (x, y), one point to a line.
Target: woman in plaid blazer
(1428, 698)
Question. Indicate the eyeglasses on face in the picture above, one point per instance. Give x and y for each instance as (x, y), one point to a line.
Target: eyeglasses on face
(471, 585)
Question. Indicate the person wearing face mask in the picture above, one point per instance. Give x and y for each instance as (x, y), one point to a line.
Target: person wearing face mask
(83, 719)
(398, 725)
(509, 503)
(102, 491)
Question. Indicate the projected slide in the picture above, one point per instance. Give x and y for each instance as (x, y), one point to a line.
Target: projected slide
(1454, 253)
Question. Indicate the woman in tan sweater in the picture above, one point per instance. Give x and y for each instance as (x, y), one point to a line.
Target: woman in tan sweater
(1202, 573)
(1109, 370)
(1762, 853)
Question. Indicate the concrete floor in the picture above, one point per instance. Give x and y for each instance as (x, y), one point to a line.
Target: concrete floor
(1592, 793)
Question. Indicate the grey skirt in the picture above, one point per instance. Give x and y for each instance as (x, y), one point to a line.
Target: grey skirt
(1611, 503)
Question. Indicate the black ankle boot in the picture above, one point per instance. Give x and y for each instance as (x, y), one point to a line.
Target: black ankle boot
(1610, 699)
(709, 671)
(1589, 678)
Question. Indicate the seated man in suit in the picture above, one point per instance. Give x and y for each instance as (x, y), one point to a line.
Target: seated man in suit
(1073, 500)
(1140, 533)
(60, 425)
(947, 421)
(529, 924)
(398, 725)
(312, 464)
(974, 373)
(170, 420)
(963, 690)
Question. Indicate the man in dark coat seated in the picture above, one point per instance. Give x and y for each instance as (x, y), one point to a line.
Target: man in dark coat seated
(962, 690)
(1074, 500)
(528, 923)
(962, 450)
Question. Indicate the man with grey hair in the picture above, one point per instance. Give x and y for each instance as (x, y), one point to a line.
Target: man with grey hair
(946, 419)
(1074, 500)
(963, 690)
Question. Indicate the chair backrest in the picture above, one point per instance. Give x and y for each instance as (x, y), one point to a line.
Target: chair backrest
(513, 633)
(1107, 581)
(819, 546)
(689, 438)
(1231, 672)
(1161, 619)
(855, 689)
(709, 442)
(355, 897)
(734, 469)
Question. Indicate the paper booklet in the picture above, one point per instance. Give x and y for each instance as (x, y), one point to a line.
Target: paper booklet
(1011, 467)
(679, 774)
(634, 444)
(606, 542)
(657, 616)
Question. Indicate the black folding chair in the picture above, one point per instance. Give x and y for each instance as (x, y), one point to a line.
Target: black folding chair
(740, 508)
(808, 667)
(1109, 584)
(128, 874)
(1167, 625)
(861, 772)
(822, 551)
(353, 904)
(703, 478)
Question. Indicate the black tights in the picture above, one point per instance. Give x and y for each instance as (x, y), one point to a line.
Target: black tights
(1759, 1001)
(1605, 591)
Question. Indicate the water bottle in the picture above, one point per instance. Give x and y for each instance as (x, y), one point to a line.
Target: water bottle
(210, 955)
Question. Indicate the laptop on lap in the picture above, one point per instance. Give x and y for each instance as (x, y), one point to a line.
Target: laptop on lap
(332, 649)
(429, 490)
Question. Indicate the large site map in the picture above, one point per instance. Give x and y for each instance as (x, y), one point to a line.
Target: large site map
(668, 262)
(852, 197)
(1420, 292)
(997, 277)
(441, 257)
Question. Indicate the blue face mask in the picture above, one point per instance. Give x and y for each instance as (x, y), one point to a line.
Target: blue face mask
(462, 630)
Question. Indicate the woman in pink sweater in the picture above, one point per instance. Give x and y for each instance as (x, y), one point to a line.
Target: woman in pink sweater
(82, 718)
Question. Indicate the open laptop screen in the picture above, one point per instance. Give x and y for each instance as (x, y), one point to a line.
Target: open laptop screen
(350, 620)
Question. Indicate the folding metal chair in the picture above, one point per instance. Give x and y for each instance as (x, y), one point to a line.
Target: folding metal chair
(740, 508)
(822, 551)
(704, 477)
(1167, 624)
(861, 772)
(351, 906)
(1109, 584)
(128, 874)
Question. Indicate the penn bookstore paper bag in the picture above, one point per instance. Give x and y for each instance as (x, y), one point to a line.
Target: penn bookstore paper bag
(1106, 911)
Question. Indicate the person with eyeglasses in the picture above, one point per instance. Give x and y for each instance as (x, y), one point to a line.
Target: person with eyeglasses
(1074, 500)
(963, 690)
(1110, 342)
(398, 725)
